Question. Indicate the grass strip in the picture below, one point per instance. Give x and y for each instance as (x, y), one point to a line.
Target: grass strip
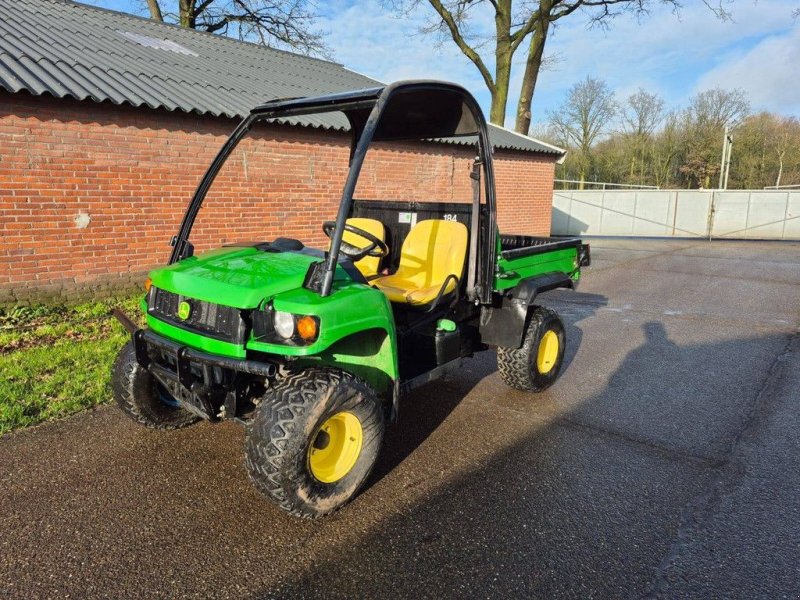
(56, 360)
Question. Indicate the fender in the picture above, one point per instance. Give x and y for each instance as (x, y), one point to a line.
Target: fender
(504, 325)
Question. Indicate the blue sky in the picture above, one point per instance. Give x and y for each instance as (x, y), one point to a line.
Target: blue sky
(676, 55)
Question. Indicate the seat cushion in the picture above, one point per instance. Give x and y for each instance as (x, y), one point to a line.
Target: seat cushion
(432, 251)
(368, 265)
(398, 290)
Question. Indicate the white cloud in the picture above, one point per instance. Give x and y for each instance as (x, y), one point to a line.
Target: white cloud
(368, 38)
(664, 52)
(768, 73)
(674, 55)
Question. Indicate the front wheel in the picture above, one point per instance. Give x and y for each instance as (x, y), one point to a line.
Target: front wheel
(143, 398)
(535, 365)
(313, 441)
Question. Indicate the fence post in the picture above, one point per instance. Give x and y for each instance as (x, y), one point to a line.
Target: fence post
(675, 213)
(711, 213)
(785, 215)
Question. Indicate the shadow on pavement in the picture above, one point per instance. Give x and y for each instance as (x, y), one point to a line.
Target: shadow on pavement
(483, 491)
(537, 504)
(420, 416)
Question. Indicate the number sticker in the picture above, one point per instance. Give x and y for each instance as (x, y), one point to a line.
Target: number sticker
(450, 217)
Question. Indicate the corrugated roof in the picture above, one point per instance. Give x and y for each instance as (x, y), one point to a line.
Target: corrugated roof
(66, 49)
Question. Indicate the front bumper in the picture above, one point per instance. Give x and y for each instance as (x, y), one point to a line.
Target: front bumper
(203, 383)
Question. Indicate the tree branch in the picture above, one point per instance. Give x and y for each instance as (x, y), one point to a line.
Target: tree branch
(468, 51)
(201, 7)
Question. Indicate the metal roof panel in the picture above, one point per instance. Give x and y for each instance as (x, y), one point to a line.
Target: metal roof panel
(69, 49)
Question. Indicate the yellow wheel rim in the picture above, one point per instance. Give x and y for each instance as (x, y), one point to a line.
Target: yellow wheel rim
(336, 447)
(548, 352)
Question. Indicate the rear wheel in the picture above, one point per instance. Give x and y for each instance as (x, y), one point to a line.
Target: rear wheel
(313, 441)
(143, 398)
(535, 365)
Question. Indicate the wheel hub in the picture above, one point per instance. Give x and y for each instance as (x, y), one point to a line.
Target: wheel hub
(548, 352)
(336, 447)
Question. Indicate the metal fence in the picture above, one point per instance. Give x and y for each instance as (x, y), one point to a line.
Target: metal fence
(738, 214)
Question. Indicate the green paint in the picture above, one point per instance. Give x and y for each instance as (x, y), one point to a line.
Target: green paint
(445, 325)
(250, 279)
(240, 277)
(511, 272)
(195, 340)
(357, 330)
(352, 308)
(368, 354)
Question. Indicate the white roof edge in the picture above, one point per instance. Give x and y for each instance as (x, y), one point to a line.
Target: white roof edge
(527, 137)
(359, 73)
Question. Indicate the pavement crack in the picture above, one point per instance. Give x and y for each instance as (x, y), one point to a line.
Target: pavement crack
(761, 323)
(663, 451)
(725, 476)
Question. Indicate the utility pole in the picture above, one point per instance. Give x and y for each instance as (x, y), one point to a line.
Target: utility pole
(725, 165)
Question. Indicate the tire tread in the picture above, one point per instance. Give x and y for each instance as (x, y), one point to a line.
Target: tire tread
(515, 364)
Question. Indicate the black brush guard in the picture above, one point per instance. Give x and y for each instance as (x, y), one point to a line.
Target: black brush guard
(189, 374)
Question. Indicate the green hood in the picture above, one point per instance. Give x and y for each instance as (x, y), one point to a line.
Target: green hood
(239, 277)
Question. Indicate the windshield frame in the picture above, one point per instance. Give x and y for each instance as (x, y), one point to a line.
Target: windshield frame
(354, 105)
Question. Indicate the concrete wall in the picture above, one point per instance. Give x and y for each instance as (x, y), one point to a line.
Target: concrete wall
(734, 214)
(90, 194)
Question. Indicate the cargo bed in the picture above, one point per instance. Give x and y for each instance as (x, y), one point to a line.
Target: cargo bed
(518, 246)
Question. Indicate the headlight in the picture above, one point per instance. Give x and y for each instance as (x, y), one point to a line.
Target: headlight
(283, 322)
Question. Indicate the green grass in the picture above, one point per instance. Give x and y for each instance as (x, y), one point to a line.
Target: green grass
(56, 360)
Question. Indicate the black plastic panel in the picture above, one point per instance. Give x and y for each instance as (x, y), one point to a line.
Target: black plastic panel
(516, 246)
(206, 318)
(393, 215)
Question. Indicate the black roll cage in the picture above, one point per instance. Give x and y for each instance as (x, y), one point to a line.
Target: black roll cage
(365, 110)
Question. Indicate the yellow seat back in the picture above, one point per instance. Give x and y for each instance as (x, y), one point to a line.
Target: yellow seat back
(368, 265)
(432, 250)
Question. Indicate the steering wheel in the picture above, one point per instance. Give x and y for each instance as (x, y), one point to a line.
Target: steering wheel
(376, 248)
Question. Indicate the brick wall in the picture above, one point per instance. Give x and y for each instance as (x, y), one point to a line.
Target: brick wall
(90, 194)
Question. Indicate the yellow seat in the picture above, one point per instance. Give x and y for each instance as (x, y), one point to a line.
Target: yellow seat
(432, 251)
(368, 265)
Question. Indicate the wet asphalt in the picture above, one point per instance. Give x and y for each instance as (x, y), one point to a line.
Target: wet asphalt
(664, 463)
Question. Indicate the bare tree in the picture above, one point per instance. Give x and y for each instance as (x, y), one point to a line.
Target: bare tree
(706, 117)
(526, 22)
(719, 108)
(283, 23)
(584, 116)
(781, 145)
(665, 150)
(642, 113)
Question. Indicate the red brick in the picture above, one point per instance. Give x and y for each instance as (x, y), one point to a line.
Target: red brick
(133, 171)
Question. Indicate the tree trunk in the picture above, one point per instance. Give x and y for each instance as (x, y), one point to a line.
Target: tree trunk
(502, 74)
(155, 10)
(497, 111)
(532, 66)
(187, 17)
(780, 169)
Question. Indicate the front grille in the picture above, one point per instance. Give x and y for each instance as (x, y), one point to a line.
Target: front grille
(206, 318)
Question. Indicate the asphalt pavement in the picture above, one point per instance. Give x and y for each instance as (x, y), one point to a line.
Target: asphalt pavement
(664, 463)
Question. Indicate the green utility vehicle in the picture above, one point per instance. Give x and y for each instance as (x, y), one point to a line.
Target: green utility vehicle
(313, 350)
